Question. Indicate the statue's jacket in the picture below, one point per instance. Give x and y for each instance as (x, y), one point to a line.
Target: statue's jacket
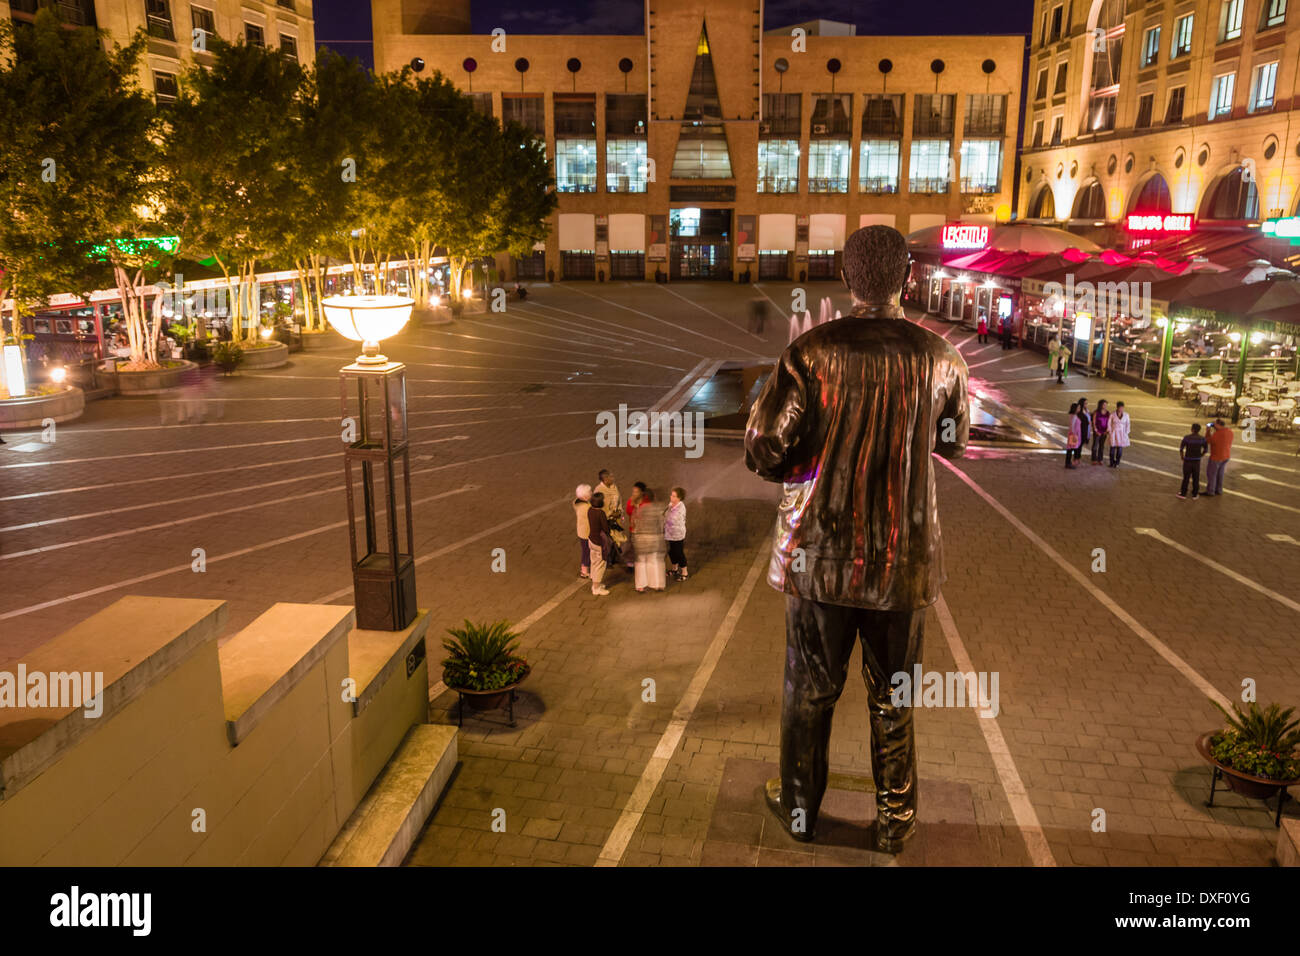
(847, 422)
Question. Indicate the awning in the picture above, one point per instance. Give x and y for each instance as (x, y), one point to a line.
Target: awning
(1011, 237)
(1272, 300)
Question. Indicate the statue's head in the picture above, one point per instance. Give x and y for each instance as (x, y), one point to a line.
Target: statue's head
(876, 265)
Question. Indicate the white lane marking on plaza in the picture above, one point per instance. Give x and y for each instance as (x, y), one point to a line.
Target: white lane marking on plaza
(619, 837)
(571, 329)
(279, 541)
(1222, 569)
(280, 462)
(708, 311)
(609, 360)
(530, 358)
(212, 559)
(438, 689)
(1001, 358)
(1253, 450)
(447, 549)
(468, 381)
(331, 397)
(1227, 491)
(680, 328)
(289, 441)
(1282, 538)
(1040, 852)
(589, 320)
(600, 346)
(1239, 462)
(1104, 599)
(272, 421)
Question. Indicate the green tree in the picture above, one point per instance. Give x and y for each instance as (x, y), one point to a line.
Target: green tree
(229, 155)
(77, 144)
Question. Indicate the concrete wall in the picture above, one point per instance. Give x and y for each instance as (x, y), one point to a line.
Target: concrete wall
(256, 735)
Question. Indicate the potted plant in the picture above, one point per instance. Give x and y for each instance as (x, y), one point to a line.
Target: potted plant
(1258, 752)
(482, 665)
(228, 356)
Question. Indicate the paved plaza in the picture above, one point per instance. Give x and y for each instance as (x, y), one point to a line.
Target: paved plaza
(650, 720)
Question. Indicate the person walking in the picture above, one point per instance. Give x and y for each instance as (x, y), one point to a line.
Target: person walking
(757, 315)
(1004, 329)
(648, 573)
(675, 533)
(982, 329)
(1118, 433)
(1085, 427)
(847, 422)
(1191, 450)
(1100, 426)
(1075, 437)
(599, 543)
(581, 507)
(1053, 348)
(1219, 438)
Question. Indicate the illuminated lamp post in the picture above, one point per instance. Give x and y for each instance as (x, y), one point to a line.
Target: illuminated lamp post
(1166, 355)
(383, 569)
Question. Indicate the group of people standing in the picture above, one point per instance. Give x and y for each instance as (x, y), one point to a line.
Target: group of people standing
(638, 533)
(1217, 443)
(1099, 430)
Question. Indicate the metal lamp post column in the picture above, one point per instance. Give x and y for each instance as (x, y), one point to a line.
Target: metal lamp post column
(383, 570)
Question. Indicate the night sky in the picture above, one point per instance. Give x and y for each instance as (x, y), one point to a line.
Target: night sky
(345, 24)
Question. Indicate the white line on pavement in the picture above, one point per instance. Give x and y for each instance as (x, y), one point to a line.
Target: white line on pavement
(1222, 569)
(1282, 538)
(464, 381)
(590, 320)
(1227, 491)
(709, 311)
(616, 844)
(1040, 853)
(139, 579)
(1001, 358)
(1157, 645)
(680, 328)
(211, 471)
(621, 338)
(270, 421)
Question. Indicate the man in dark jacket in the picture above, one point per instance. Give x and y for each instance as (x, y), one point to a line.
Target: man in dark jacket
(848, 421)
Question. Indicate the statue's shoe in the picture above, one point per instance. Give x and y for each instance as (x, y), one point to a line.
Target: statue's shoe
(772, 794)
(892, 842)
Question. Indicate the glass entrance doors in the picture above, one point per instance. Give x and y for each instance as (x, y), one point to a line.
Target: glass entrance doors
(700, 243)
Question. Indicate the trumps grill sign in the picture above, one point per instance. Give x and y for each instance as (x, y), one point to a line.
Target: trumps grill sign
(1160, 223)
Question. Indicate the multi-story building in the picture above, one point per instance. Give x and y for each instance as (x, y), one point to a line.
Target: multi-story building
(178, 30)
(1160, 106)
(706, 147)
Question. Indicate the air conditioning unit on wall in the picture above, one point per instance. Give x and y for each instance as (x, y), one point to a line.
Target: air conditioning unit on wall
(765, 127)
(821, 128)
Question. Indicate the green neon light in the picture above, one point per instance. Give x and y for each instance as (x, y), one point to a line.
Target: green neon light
(135, 247)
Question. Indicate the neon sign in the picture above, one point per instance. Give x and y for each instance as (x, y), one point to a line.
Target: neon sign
(1285, 228)
(961, 236)
(1163, 223)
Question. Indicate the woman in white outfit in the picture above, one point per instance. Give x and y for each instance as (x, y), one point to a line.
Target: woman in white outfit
(649, 545)
(1117, 435)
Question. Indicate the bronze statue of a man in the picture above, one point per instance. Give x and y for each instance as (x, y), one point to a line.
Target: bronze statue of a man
(847, 422)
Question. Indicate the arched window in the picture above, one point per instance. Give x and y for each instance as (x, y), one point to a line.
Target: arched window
(1231, 195)
(1090, 203)
(1153, 196)
(1043, 205)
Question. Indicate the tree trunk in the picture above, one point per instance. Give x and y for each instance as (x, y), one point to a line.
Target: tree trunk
(456, 268)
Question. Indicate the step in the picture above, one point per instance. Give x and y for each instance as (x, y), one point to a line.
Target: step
(390, 816)
(1288, 843)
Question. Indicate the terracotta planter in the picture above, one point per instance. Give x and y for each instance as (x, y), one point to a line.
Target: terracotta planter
(32, 410)
(484, 700)
(1248, 785)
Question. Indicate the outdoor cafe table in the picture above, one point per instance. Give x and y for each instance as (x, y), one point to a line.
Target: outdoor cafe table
(1202, 379)
(1216, 392)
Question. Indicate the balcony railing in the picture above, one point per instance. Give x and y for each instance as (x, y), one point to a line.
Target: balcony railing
(983, 186)
(934, 184)
(828, 184)
(778, 184)
(878, 184)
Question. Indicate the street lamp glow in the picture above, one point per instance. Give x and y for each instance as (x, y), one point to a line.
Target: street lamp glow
(368, 319)
(1234, 336)
(58, 374)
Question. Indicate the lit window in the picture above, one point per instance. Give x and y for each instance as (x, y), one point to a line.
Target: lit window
(1273, 14)
(625, 165)
(930, 167)
(1151, 46)
(1182, 44)
(828, 166)
(575, 165)
(778, 165)
(878, 166)
(981, 165)
(1221, 94)
(1230, 19)
(1263, 87)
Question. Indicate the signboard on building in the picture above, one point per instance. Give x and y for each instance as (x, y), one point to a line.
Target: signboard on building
(1287, 227)
(746, 247)
(702, 193)
(962, 235)
(658, 238)
(1160, 223)
(801, 239)
(602, 237)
